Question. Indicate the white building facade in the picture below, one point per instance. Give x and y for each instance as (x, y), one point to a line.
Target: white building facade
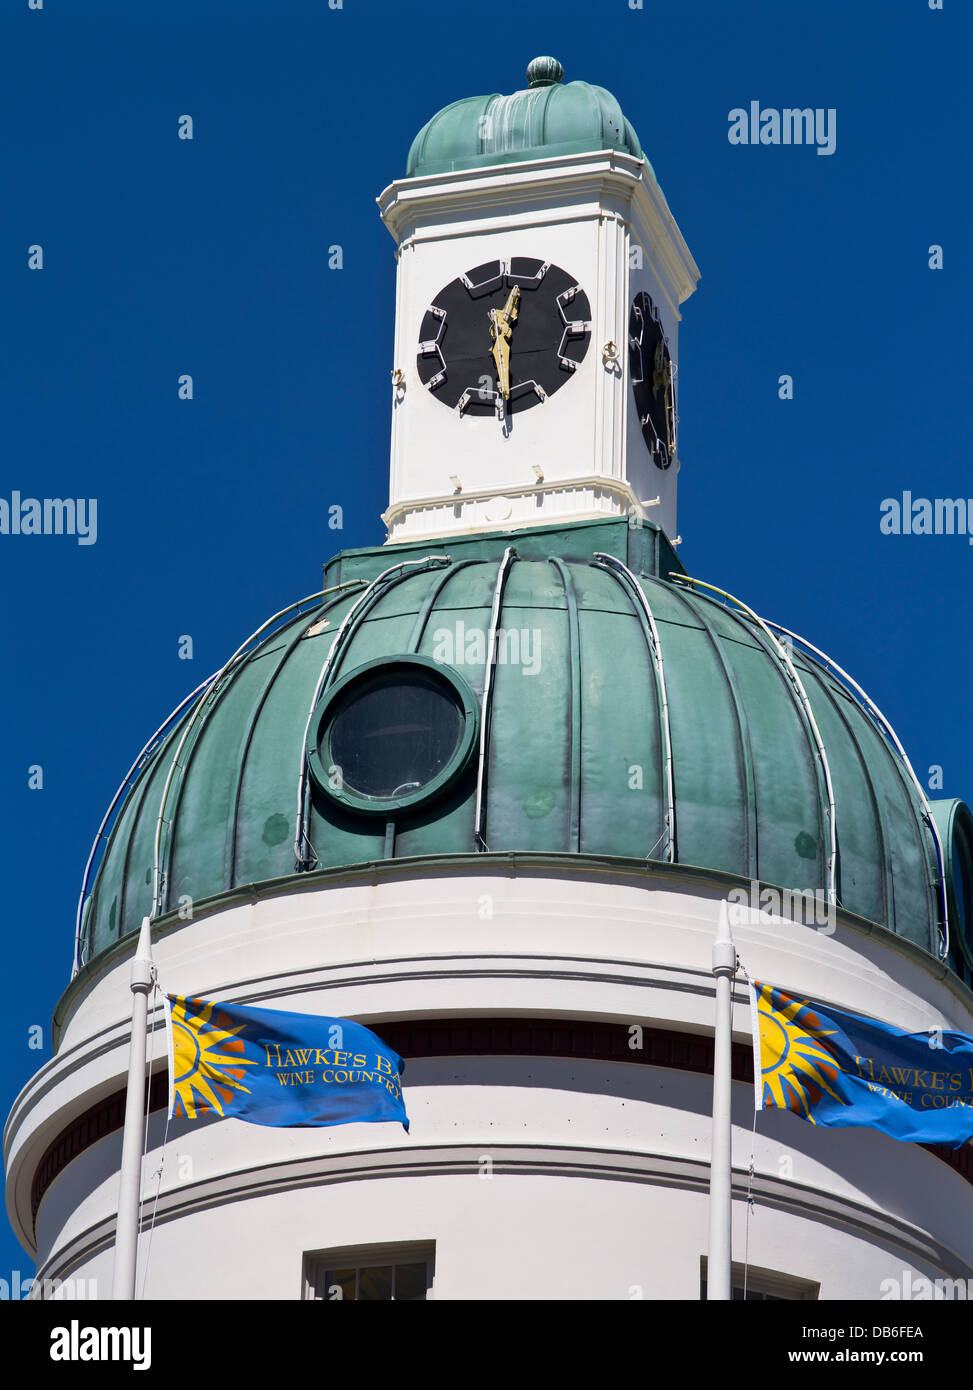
(524, 907)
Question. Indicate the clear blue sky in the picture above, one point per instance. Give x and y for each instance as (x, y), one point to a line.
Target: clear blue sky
(209, 257)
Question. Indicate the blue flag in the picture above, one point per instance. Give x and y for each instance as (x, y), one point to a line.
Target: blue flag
(275, 1068)
(837, 1068)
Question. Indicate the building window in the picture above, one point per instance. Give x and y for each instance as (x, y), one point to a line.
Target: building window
(763, 1285)
(393, 734)
(370, 1273)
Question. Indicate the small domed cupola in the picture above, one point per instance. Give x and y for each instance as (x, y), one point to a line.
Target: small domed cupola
(547, 118)
(539, 274)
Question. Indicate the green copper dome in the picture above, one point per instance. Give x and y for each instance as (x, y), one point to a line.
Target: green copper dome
(376, 709)
(545, 119)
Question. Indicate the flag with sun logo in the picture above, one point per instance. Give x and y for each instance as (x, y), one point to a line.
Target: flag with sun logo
(836, 1068)
(276, 1068)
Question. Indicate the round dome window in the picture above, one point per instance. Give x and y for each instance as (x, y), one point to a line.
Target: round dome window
(960, 877)
(392, 734)
(955, 823)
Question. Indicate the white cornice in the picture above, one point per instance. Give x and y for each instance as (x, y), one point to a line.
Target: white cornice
(512, 194)
(618, 488)
(675, 1171)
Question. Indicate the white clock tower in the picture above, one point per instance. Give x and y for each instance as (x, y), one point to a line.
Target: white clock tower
(542, 189)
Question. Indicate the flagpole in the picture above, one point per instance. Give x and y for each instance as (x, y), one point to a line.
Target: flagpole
(718, 1266)
(130, 1184)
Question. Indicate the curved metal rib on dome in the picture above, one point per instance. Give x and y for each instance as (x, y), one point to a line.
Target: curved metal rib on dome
(479, 818)
(430, 601)
(741, 722)
(887, 910)
(349, 624)
(195, 724)
(798, 684)
(574, 635)
(886, 729)
(125, 782)
(637, 594)
(268, 686)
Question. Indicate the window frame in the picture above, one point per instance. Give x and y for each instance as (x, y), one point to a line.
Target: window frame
(772, 1282)
(374, 674)
(317, 1263)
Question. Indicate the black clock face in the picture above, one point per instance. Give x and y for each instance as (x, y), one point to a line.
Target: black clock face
(537, 311)
(651, 371)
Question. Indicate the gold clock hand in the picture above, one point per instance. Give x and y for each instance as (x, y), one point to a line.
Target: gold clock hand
(501, 325)
(500, 351)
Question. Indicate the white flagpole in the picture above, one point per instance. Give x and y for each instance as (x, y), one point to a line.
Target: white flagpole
(718, 1265)
(130, 1185)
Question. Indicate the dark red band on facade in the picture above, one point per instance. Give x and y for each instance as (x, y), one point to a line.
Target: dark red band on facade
(465, 1037)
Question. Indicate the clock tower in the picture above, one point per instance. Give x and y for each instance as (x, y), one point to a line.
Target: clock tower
(489, 790)
(540, 274)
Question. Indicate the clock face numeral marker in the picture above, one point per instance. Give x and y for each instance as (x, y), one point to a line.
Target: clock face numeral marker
(527, 281)
(503, 337)
(430, 346)
(479, 395)
(573, 328)
(494, 271)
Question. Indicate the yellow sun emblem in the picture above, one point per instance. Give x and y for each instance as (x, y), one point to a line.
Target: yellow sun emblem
(796, 1063)
(207, 1056)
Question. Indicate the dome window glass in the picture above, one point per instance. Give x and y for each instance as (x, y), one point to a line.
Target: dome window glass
(960, 853)
(391, 734)
(955, 824)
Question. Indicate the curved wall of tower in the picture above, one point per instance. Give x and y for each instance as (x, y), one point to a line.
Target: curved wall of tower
(554, 1151)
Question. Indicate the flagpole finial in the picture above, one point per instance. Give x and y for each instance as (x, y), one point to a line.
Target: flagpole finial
(143, 966)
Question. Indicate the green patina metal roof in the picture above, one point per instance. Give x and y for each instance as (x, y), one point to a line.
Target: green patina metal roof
(575, 754)
(545, 119)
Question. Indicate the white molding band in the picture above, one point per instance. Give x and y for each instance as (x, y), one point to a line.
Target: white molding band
(659, 1169)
